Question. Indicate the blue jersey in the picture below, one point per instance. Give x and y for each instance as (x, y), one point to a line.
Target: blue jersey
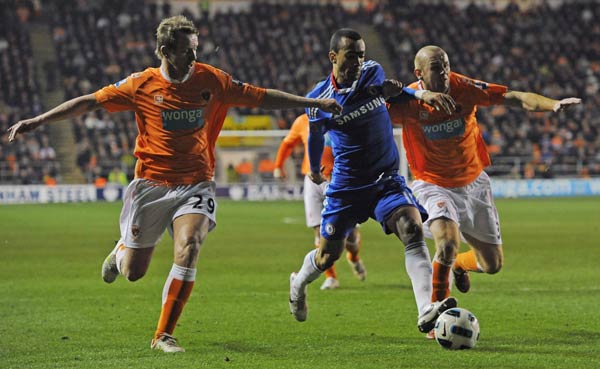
(361, 136)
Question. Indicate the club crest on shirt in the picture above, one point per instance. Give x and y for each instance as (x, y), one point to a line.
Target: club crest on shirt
(423, 115)
(329, 229)
(158, 99)
(205, 96)
(135, 231)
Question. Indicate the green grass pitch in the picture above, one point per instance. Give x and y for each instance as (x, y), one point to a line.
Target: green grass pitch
(540, 311)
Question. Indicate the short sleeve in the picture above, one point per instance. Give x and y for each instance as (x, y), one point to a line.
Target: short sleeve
(237, 93)
(118, 96)
(484, 93)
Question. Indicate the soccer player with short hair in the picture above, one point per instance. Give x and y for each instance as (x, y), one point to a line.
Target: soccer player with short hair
(179, 110)
(447, 156)
(314, 194)
(365, 182)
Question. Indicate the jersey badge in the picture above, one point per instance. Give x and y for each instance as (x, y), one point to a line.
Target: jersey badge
(117, 84)
(423, 115)
(329, 229)
(158, 99)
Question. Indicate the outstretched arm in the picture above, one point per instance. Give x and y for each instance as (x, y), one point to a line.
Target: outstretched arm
(77, 106)
(284, 152)
(316, 143)
(275, 99)
(534, 102)
(392, 88)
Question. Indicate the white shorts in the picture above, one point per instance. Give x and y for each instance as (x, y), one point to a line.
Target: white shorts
(314, 195)
(150, 208)
(471, 207)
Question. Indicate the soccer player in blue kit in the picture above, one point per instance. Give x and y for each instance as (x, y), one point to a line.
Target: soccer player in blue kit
(365, 182)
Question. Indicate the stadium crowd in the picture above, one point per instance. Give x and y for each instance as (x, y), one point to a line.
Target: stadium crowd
(281, 46)
(553, 51)
(31, 160)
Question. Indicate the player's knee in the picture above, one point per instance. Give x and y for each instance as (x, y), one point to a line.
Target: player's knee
(493, 267)
(409, 230)
(326, 260)
(189, 248)
(492, 264)
(447, 250)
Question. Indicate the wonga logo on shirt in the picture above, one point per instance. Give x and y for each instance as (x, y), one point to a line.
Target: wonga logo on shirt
(448, 129)
(182, 119)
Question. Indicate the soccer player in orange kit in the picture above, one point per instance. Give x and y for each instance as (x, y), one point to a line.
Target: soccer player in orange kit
(314, 195)
(447, 156)
(179, 110)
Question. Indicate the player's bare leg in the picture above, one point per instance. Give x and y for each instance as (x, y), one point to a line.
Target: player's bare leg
(447, 240)
(189, 231)
(490, 257)
(132, 263)
(331, 281)
(353, 248)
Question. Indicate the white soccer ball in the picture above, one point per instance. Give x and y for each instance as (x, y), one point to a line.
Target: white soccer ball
(457, 329)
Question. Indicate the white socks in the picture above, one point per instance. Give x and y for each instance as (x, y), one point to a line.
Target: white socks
(120, 254)
(418, 267)
(308, 272)
(179, 273)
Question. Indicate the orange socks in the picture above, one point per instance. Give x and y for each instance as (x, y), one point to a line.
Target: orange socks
(441, 284)
(467, 261)
(176, 292)
(331, 273)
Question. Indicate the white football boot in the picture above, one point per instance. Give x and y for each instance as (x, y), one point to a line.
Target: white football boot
(427, 320)
(166, 343)
(298, 306)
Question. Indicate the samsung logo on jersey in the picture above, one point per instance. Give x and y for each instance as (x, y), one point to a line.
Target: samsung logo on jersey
(182, 119)
(362, 110)
(449, 129)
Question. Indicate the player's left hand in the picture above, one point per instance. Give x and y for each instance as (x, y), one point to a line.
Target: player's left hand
(566, 103)
(440, 101)
(391, 88)
(330, 106)
(280, 174)
(317, 178)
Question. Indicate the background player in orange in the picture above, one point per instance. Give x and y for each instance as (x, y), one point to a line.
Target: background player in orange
(179, 110)
(447, 156)
(314, 195)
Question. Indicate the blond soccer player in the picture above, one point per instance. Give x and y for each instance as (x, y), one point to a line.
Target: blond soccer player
(179, 111)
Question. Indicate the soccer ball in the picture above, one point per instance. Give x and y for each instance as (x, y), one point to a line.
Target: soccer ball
(457, 329)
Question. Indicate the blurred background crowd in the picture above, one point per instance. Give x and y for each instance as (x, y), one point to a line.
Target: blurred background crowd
(55, 50)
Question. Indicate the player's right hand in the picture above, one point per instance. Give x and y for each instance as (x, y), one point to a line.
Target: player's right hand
(317, 178)
(22, 127)
(440, 101)
(279, 173)
(330, 106)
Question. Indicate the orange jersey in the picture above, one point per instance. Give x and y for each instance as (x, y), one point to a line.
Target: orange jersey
(178, 123)
(299, 134)
(447, 150)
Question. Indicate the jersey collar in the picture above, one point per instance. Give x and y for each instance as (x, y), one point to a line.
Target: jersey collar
(172, 80)
(342, 91)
